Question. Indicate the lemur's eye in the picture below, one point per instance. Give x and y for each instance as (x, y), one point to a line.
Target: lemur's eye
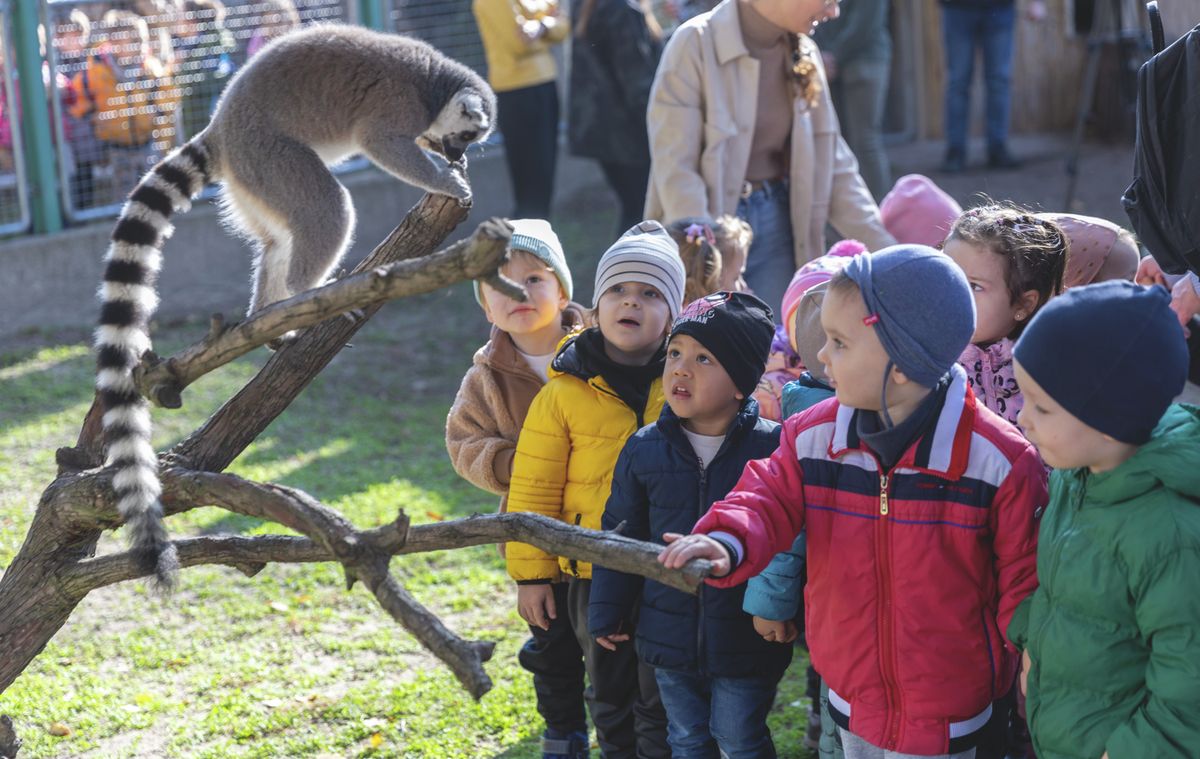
(468, 136)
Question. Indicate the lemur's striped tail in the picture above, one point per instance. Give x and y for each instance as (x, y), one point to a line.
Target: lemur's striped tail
(128, 301)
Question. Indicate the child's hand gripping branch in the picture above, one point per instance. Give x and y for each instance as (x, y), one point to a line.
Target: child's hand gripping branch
(683, 548)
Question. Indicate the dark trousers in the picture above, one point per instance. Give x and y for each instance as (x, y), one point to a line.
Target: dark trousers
(629, 181)
(529, 123)
(623, 695)
(964, 30)
(554, 658)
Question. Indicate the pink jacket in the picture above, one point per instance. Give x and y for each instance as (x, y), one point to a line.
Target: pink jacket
(990, 374)
(783, 366)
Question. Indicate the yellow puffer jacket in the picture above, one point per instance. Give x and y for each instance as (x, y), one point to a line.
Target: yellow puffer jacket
(124, 113)
(564, 462)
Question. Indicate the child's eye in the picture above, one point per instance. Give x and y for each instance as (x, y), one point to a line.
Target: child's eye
(533, 279)
(672, 353)
(702, 359)
(650, 294)
(1039, 409)
(975, 287)
(617, 289)
(838, 343)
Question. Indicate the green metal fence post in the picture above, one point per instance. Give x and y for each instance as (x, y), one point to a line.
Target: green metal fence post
(44, 203)
(371, 14)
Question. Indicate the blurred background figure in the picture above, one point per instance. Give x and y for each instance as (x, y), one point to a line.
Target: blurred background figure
(204, 50)
(986, 25)
(517, 40)
(857, 50)
(615, 52)
(279, 17)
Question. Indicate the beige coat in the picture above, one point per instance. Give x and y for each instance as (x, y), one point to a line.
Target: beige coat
(701, 122)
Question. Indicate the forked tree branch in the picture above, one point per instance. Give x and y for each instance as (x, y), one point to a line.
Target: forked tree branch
(161, 380)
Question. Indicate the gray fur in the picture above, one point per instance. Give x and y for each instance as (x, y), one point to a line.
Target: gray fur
(306, 101)
(315, 97)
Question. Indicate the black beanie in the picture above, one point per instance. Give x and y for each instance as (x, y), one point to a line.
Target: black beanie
(1112, 354)
(736, 328)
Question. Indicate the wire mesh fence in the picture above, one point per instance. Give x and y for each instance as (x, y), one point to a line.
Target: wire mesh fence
(132, 80)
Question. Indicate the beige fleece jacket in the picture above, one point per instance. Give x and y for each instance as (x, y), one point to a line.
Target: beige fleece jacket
(485, 420)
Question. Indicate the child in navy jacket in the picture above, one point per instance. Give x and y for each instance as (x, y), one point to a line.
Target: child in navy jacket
(716, 676)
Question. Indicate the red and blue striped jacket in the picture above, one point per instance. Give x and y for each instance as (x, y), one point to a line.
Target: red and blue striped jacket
(913, 573)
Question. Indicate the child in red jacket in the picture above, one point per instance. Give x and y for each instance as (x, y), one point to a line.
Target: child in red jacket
(921, 509)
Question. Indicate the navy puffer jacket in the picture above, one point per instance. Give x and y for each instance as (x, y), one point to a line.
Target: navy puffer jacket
(659, 487)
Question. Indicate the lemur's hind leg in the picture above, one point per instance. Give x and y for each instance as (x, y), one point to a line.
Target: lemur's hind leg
(302, 216)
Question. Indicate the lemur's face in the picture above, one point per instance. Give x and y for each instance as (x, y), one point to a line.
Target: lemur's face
(465, 120)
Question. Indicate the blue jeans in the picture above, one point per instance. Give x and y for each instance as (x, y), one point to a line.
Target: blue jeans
(711, 717)
(771, 261)
(965, 30)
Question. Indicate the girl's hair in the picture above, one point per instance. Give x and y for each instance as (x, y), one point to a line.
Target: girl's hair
(733, 237)
(1035, 249)
(701, 258)
(589, 6)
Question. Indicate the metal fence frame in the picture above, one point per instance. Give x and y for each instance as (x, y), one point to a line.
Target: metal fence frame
(21, 223)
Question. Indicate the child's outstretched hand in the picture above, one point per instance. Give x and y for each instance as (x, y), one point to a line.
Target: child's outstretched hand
(611, 640)
(776, 631)
(535, 604)
(683, 548)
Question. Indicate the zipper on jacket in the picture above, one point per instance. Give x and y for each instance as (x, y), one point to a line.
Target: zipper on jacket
(887, 617)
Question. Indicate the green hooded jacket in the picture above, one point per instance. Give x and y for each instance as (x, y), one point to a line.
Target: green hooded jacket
(1114, 628)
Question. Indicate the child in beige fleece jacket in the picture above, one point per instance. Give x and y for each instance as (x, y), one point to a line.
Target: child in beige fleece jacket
(481, 437)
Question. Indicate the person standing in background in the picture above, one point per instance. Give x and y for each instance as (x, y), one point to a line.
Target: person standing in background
(968, 25)
(857, 50)
(615, 52)
(517, 39)
(741, 122)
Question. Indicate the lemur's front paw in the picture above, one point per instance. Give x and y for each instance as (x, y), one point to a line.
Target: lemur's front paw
(355, 315)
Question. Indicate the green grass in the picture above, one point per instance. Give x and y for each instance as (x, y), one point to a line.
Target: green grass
(289, 663)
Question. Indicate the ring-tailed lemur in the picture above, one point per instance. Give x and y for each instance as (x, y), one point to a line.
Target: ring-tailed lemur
(308, 100)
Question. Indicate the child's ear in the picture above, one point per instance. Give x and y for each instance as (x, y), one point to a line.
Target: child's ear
(899, 377)
(1026, 304)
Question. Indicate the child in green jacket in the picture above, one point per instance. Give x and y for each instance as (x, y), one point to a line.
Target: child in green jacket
(1112, 635)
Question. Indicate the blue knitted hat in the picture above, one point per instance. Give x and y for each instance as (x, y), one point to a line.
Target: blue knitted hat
(921, 306)
(1112, 354)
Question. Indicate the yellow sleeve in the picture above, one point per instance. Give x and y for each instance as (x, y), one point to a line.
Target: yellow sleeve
(497, 21)
(540, 478)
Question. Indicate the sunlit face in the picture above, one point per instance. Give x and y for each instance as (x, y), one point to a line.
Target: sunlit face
(633, 320)
(544, 306)
(996, 316)
(1061, 438)
(853, 357)
(797, 16)
(698, 388)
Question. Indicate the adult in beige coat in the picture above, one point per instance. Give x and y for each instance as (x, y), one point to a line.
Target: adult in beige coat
(703, 121)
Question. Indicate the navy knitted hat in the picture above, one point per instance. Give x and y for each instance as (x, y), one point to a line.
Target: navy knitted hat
(737, 329)
(1112, 354)
(921, 306)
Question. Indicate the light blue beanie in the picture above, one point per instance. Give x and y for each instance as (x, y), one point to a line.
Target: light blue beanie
(921, 306)
(536, 236)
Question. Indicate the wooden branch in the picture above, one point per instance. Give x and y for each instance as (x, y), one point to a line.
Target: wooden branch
(479, 256)
(10, 744)
(242, 419)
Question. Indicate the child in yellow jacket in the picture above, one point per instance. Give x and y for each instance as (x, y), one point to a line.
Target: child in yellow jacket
(605, 384)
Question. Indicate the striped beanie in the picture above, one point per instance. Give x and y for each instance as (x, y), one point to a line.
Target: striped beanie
(645, 254)
(535, 236)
